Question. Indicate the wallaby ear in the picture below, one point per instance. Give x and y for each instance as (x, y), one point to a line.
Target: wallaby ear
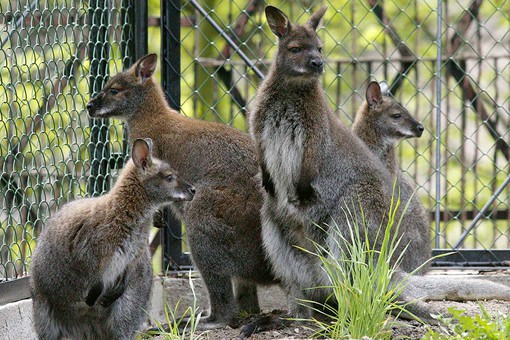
(150, 143)
(316, 17)
(141, 153)
(373, 95)
(385, 88)
(145, 67)
(278, 21)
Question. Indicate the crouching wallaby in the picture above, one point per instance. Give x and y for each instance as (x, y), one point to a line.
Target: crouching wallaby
(223, 220)
(91, 268)
(313, 168)
(381, 122)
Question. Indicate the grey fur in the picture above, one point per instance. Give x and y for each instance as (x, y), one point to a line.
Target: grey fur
(329, 169)
(381, 122)
(91, 269)
(223, 220)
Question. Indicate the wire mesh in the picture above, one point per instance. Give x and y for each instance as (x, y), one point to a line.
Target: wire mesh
(55, 54)
(48, 56)
(395, 41)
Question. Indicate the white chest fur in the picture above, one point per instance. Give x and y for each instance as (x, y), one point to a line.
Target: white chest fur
(122, 257)
(283, 154)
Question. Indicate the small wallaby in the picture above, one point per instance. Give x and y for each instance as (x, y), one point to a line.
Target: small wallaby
(381, 122)
(313, 168)
(91, 271)
(223, 220)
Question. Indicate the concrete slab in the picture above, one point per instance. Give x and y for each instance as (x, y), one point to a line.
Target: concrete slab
(16, 321)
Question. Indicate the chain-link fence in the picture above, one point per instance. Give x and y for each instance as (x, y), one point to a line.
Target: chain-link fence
(53, 56)
(453, 74)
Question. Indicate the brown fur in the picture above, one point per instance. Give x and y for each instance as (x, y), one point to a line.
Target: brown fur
(313, 168)
(223, 220)
(381, 122)
(91, 269)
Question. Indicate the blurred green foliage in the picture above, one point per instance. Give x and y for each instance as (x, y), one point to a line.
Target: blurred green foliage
(44, 87)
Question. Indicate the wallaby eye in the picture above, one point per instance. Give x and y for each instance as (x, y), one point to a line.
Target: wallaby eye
(294, 49)
(170, 178)
(396, 116)
(113, 91)
(320, 49)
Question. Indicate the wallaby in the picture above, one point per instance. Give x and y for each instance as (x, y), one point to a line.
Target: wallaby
(381, 122)
(313, 168)
(91, 272)
(223, 220)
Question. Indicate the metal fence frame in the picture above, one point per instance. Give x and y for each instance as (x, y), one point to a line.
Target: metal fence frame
(136, 46)
(461, 257)
(102, 159)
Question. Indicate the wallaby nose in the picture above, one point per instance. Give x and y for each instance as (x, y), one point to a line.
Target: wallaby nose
(419, 129)
(317, 63)
(192, 190)
(93, 104)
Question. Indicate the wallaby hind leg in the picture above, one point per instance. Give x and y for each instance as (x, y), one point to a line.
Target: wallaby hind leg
(44, 322)
(297, 308)
(129, 311)
(246, 296)
(221, 297)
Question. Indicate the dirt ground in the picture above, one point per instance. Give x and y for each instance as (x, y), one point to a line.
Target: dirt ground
(403, 330)
(272, 299)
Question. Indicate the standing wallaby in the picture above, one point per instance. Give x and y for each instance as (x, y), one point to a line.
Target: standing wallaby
(313, 168)
(91, 272)
(223, 220)
(381, 122)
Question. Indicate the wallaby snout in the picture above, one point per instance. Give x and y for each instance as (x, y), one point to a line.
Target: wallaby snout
(418, 130)
(316, 63)
(183, 191)
(93, 104)
(411, 128)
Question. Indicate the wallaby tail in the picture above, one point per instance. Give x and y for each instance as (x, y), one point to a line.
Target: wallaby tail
(436, 287)
(420, 288)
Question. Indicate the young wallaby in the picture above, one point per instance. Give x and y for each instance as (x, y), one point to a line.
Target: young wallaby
(91, 272)
(381, 122)
(313, 168)
(223, 220)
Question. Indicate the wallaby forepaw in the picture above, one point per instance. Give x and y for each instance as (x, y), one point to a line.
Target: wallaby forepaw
(158, 219)
(107, 300)
(94, 294)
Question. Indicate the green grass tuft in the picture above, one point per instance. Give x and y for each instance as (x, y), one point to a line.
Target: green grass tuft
(182, 327)
(360, 279)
